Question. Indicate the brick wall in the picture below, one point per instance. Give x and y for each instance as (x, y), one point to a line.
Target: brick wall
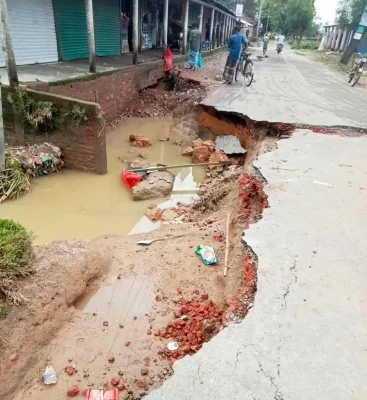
(83, 147)
(112, 90)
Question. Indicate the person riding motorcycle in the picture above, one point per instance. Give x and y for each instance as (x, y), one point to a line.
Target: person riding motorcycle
(280, 43)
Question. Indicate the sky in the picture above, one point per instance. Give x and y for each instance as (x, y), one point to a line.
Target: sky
(326, 9)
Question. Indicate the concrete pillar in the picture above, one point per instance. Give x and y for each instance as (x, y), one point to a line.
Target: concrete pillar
(221, 30)
(8, 46)
(211, 39)
(135, 30)
(335, 34)
(344, 39)
(165, 25)
(331, 36)
(338, 39)
(323, 41)
(185, 28)
(226, 28)
(91, 41)
(201, 18)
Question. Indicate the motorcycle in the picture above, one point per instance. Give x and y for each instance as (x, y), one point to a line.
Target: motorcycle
(279, 47)
(357, 70)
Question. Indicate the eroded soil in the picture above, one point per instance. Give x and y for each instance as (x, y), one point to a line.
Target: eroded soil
(108, 307)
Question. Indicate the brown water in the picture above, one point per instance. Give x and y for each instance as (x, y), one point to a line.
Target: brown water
(75, 204)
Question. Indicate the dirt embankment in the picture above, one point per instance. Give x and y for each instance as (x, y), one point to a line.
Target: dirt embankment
(108, 308)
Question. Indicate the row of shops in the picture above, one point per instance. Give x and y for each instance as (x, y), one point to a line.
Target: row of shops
(45, 31)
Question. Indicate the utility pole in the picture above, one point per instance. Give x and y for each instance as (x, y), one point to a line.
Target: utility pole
(8, 46)
(165, 25)
(185, 28)
(136, 31)
(358, 34)
(259, 20)
(91, 40)
(2, 140)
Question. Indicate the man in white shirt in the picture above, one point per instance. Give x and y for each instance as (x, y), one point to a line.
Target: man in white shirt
(281, 39)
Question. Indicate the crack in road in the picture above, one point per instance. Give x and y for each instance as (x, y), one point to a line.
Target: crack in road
(277, 395)
(237, 354)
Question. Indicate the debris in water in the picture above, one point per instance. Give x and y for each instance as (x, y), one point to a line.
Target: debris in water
(172, 346)
(111, 359)
(105, 323)
(207, 254)
(49, 376)
(140, 141)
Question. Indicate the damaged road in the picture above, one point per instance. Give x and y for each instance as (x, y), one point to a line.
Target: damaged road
(305, 336)
(291, 89)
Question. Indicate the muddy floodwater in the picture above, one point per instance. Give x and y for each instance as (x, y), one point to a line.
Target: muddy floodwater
(74, 204)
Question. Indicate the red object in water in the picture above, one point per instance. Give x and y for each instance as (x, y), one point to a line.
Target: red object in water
(130, 179)
(168, 60)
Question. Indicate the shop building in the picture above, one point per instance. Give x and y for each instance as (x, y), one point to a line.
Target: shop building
(46, 31)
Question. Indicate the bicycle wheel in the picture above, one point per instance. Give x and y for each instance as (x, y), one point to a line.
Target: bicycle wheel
(239, 69)
(248, 72)
(356, 78)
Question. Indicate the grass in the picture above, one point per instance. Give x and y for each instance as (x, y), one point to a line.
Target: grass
(306, 45)
(16, 259)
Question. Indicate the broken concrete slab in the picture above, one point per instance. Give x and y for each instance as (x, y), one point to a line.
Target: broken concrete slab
(229, 144)
(157, 184)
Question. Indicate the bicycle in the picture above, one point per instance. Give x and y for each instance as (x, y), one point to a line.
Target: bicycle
(357, 70)
(245, 67)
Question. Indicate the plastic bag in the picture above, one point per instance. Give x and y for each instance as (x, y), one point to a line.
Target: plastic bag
(49, 376)
(130, 179)
(207, 254)
(168, 60)
(200, 61)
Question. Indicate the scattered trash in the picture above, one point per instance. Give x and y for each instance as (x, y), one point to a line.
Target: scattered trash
(179, 291)
(207, 253)
(172, 346)
(105, 323)
(111, 359)
(323, 183)
(73, 391)
(130, 179)
(115, 381)
(70, 370)
(102, 394)
(127, 344)
(49, 376)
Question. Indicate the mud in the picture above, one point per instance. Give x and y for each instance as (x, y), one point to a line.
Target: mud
(109, 307)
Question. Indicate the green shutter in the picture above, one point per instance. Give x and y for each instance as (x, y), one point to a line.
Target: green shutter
(107, 27)
(71, 26)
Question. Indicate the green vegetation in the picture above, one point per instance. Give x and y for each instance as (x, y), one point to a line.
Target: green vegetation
(13, 180)
(36, 116)
(78, 115)
(16, 259)
(290, 17)
(349, 13)
(305, 45)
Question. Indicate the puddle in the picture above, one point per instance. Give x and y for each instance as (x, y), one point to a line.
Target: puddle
(74, 204)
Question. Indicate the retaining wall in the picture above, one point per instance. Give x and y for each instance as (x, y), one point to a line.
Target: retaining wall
(83, 146)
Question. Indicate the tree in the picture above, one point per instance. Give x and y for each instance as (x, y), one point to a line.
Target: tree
(291, 17)
(349, 13)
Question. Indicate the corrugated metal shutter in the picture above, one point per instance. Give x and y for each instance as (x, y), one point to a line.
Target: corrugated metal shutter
(107, 27)
(32, 28)
(71, 25)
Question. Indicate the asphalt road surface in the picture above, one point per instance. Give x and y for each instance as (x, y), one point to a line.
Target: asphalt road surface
(306, 336)
(291, 88)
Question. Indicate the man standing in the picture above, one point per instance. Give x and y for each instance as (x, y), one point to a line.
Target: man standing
(265, 43)
(194, 43)
(235, 44)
